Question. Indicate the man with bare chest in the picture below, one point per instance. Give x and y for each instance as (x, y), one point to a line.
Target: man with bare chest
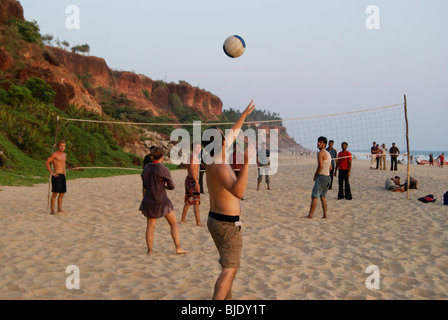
(225, 191)
(58, 182)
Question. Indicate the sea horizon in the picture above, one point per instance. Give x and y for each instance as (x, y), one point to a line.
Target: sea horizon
(422, 154)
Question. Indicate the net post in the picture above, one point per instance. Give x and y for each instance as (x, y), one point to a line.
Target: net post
(407, 145)
(55, 134)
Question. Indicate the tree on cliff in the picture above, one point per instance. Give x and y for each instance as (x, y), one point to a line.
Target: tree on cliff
(85, 48)
(47, 38)
(65, 44)
(58, 43)
(256, 115)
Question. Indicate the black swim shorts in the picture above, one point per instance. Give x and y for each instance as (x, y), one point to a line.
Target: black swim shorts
(58, 184)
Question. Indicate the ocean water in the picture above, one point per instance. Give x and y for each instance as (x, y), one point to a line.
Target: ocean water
(423, 155)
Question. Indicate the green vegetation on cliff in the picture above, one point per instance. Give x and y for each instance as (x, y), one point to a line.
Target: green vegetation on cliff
(28, 122)
(27, 137)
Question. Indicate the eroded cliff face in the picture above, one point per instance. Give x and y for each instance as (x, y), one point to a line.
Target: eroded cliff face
(8, 9)
(157, 99)
(77, 78)
(82, 81)
(284, 140)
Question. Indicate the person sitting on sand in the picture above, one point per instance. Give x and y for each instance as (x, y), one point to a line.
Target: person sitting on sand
(393, 184)
(413, 184)
(156, 179)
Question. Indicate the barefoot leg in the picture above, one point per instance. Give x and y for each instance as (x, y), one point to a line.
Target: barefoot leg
(197, 215)
(171, 218)
(324, 207)
(184, 213)
(60, 199)
(312, 208)
(151, 225)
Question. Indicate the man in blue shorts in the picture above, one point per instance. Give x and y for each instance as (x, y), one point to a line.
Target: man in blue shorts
(322, 178)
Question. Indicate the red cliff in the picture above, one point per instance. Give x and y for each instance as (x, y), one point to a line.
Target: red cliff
(157, 99)
(77, 79)
(8, 9)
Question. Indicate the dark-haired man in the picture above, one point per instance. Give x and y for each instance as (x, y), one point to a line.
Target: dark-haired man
(344, 164)
(225, 190)
(394, 152)
(334, 153)
(321, 178)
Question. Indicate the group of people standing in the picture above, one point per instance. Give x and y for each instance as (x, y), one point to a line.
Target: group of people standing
(379, 156)
(440, 160)
(225, 187)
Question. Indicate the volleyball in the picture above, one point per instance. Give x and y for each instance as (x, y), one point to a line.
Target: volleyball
(234, 46)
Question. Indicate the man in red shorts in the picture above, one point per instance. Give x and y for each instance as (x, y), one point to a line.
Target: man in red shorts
(192, 188)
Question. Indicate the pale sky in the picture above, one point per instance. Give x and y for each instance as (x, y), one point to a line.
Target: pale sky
(303, 58)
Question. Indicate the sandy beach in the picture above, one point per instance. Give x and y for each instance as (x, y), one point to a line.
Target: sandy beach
(284, 256)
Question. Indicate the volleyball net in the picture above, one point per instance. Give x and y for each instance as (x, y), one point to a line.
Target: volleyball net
(359, 129)
(294, 141)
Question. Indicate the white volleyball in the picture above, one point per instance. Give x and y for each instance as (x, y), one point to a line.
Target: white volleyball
(234, 46)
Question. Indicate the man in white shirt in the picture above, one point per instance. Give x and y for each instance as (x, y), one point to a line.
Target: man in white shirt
(263, 163)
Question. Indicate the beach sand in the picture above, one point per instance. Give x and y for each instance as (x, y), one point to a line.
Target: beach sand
(284, 256)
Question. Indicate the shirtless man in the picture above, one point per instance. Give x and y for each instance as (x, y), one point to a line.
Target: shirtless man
(322, 178)
(58, 181)
(224, 224)
(192, 187)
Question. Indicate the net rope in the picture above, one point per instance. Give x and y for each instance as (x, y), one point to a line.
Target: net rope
(358, 128)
